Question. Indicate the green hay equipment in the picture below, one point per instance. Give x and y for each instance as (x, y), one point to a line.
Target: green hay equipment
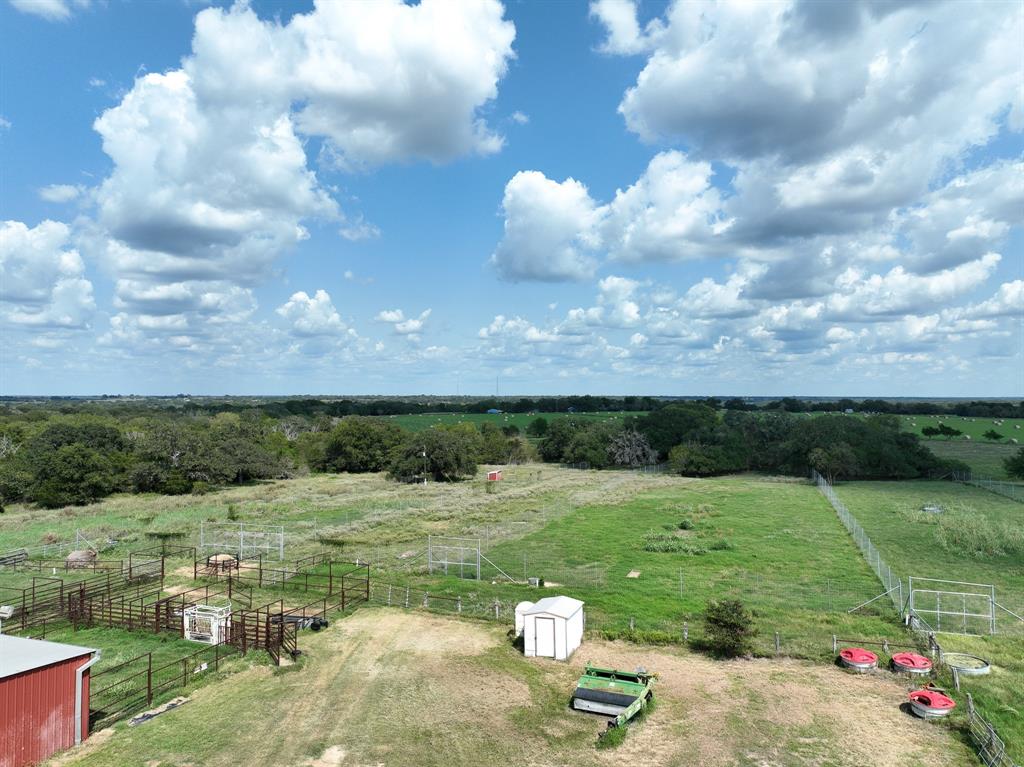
(618, 694)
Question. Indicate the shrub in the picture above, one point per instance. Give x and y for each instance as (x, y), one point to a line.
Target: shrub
(729, 628)
(686, 524)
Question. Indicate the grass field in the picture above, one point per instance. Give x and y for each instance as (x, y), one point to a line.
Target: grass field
(645, 551)
(984, 458)
(890, 513)
(521, 420)
(415, 690)
(975, 428)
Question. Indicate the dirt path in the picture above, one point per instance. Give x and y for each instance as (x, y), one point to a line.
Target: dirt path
(388, 687)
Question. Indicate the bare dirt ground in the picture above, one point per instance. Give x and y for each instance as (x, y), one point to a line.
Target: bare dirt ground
(387, 687)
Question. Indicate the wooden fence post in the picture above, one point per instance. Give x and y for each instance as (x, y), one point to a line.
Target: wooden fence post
(149, 679)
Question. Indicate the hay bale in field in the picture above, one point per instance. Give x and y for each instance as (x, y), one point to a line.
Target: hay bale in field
(80, 558)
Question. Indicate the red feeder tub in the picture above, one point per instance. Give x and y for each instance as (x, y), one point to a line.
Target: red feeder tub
(858, 659)
(911, 663)
(929, 704)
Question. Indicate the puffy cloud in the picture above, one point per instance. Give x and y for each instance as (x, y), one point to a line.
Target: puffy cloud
(623, 28)
(549, 230)
(900, 292)
(312, 316)
(42, 280)
(211, 183)
(51, 10)
(60, 192)
(402, 325)
(813, 79)
(553, 230)
(382, 81)
(672, 212)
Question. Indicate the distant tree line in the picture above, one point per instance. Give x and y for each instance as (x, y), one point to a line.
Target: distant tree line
(77, 452)
(697, 439)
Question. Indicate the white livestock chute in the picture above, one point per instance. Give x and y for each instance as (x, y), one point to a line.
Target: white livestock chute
(206, 623)
(552, 628)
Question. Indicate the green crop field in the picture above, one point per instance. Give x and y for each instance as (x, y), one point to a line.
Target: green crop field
(520, 420)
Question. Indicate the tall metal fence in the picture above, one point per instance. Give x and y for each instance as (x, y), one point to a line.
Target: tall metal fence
(1012, 490)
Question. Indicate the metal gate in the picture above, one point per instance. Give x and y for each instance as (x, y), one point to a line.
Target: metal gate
(454, 556)
(952, 607)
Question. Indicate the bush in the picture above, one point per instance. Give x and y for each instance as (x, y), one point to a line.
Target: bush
(729, 628)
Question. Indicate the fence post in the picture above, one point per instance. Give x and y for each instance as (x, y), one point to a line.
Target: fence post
(496, 609)
(149, 678)
(406, 596)
(686, 631)
(630, 622)
(777, 643)
(458, 605)
(389, 595)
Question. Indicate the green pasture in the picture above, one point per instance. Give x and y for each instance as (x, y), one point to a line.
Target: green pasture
(891, 514)
(985, 458)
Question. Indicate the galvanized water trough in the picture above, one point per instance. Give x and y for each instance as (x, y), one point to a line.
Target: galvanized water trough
(911, 663)
(930, 704)
(858, 659)
(965, 664)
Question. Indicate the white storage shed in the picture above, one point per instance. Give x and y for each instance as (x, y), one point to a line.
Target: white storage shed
(552, 628)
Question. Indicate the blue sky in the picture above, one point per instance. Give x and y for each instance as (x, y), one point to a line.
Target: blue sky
(685, 198)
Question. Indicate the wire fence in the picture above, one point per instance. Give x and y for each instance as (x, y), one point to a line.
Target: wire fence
(991, 748)
(1012, 490)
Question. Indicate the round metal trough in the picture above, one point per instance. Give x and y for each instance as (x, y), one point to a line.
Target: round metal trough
(911, 663)
(929, 704)
(858, 659)
(966, 665)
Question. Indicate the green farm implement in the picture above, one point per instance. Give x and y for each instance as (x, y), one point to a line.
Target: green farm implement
(618, 694)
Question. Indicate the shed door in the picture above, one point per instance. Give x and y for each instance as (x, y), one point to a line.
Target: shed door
(544, 637)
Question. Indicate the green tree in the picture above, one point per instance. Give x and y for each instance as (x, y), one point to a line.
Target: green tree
(948, 431)
(834, 461)
(677, 424)
(992, 435)
(1014, 465)
(557, 438)
(446, 455)
(360, 444)
(696, 460)
(538, 427)
(72, 475)
(729, 628)
(930, 432)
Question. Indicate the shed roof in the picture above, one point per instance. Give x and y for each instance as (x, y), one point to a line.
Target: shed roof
(563, 607)
(18, 654)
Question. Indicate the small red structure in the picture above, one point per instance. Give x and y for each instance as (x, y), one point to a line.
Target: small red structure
(494, 476)
(858, 658)
(44, 698)
(930, 704)
(911, 663)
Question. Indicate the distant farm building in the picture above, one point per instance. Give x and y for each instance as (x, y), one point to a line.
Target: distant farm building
(44, 698)
(493, 411)
(494, 476)
(551, 628)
